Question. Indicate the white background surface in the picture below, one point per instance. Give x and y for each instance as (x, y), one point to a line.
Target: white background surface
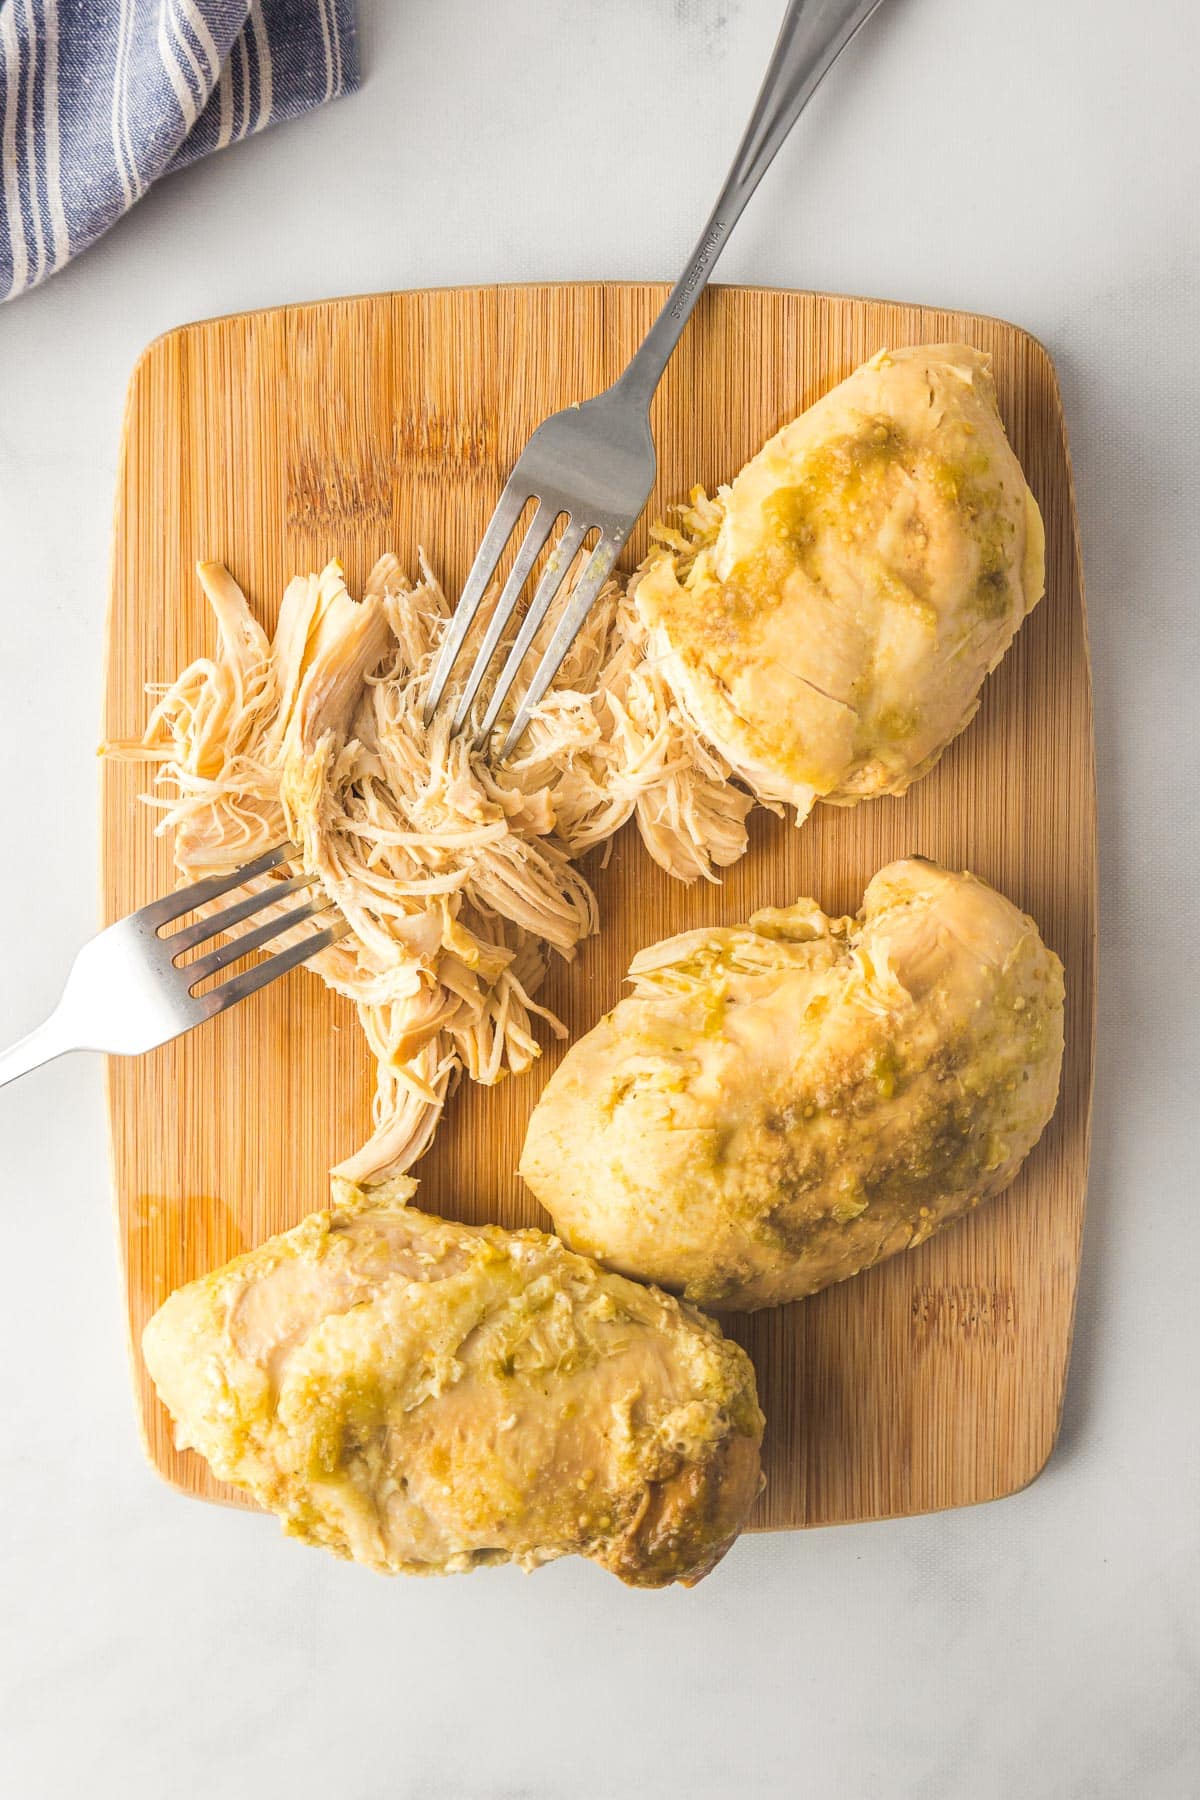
(1037, 161)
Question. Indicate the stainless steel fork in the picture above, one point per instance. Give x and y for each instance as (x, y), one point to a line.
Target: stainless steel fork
(127, 990)
(594, 464)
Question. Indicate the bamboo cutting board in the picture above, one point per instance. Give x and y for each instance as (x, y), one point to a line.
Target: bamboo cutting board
(277, 439)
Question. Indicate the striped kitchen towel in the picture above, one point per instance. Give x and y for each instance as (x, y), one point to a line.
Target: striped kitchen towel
(98, 98)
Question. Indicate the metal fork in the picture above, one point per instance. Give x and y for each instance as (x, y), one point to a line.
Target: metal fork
(127, 990)
(595, 464)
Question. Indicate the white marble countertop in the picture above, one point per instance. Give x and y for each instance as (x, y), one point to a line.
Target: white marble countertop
(1040, 162)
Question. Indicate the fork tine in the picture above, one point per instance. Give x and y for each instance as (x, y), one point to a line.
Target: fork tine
(228, 993)
(187, 899)
(237, 947)
(564, 634)
(191, 935)
(539, 530)
(555, 573)
(509, 508)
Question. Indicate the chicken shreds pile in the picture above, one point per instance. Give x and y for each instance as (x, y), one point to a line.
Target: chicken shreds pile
(453, 873)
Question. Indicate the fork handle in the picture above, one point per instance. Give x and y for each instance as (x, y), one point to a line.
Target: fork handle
(42, 1045)
(812, 37)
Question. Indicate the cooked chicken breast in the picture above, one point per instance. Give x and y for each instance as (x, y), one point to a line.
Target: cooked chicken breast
(779, 1105)
(425, 1397)
(828, 624)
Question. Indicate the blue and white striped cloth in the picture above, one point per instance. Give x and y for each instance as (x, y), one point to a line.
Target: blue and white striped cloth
(98, 98)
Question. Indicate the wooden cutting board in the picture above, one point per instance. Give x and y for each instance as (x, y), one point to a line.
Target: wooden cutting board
(274, 440)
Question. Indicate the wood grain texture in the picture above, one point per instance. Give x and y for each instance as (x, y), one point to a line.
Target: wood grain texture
(274, 440)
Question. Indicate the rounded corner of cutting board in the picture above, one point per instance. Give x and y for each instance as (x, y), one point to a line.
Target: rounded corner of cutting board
(158, 350)
(932, 1381)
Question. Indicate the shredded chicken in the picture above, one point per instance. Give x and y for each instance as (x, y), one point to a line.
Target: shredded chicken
(454, 871)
